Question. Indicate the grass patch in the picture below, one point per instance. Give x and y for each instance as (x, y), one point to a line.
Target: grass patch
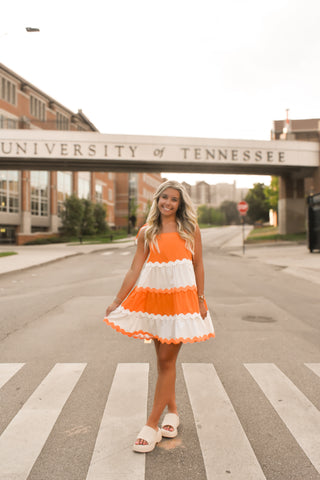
(103, 238)
(271, 234)
(86, 239)
(7, 254)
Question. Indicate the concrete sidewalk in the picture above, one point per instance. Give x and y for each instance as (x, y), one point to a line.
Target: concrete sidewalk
(292, 258)
(33, 255)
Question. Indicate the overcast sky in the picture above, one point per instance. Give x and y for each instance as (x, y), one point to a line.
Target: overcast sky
(200, 68)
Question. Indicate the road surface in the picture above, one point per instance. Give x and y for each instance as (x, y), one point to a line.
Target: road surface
(74, 393)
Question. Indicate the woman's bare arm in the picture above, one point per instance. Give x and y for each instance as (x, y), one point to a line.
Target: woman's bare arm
(199, 270)
(133, 273)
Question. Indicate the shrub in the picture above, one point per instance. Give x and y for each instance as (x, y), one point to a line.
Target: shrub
(87, 226)
(100, 213)
(72, 216)
(82, 217)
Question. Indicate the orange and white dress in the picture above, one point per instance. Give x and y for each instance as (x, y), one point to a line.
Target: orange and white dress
(164, 303)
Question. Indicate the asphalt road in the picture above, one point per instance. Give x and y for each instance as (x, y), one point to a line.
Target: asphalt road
(249, 399)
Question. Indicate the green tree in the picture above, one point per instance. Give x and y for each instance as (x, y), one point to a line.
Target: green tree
(258, 203)
(230, 211)
(72, 216)
(88, 219)
(133, 213)
(210, 216)
(272, 193)
(217, 217)
(100, 213)
(204, 214)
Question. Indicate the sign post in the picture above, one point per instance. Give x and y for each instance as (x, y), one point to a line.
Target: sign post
(242, 209)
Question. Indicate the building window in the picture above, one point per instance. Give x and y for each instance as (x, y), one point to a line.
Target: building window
(8, 122)
(133, 185)
(84, 185)
(62, 122)
(110, 175)
(9, 191)
(37, 108)
(11, 123)
(64, 189)
(39, 193)
(110, 196)
(99, 198)
(152, 182)
(8, 91)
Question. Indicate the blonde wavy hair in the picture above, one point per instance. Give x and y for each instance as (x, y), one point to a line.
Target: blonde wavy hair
(186, 216)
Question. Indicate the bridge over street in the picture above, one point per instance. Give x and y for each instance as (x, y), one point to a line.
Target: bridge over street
(292, 161)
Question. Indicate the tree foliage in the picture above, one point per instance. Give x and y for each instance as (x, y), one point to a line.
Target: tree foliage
(133, 212)
(210, 216)
(82, 217)
(100, 214)
(88, 220)
(272, 193)
(71, 216)
(258, 203)
(230, 211)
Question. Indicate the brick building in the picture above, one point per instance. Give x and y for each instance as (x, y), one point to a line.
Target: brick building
(30, 201)
(134, 194)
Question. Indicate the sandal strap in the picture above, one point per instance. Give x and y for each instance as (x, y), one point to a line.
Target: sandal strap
(148, 434)
(171, 419)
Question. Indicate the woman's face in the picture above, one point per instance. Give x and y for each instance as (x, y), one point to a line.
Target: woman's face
(169, 201)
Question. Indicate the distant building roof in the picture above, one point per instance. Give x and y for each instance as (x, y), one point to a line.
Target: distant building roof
(85, 119)
(302, 125)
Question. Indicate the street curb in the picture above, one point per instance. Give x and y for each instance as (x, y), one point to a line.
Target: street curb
(45, 262)
(73, 254)
(275, 244)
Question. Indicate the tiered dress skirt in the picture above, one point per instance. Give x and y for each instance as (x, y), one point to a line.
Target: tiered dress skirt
(164, 303)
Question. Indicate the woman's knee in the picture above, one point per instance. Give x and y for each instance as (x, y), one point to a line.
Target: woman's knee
(167, 357)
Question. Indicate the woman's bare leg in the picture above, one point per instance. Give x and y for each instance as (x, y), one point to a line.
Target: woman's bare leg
(165, 389)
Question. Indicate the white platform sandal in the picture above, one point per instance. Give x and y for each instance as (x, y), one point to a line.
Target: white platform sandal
(170, 420)
(151, 436)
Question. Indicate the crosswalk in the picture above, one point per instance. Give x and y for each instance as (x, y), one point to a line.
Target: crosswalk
(215, 418)
(122, 253)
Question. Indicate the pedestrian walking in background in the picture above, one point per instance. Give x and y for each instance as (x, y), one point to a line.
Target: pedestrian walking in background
(162, 298)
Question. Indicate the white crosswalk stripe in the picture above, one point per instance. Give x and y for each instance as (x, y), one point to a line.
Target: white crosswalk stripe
(124, 415)
(219, 426)
(216, 421)
(8, 370)
(301, 417)
(23, 439)
(315, 367)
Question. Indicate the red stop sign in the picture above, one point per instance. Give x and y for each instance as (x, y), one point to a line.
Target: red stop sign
(242, 207)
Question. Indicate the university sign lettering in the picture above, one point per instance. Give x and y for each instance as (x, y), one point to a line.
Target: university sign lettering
(74, 150)
(92, 151)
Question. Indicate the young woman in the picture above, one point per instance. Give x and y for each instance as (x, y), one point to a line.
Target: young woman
(167, 304)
